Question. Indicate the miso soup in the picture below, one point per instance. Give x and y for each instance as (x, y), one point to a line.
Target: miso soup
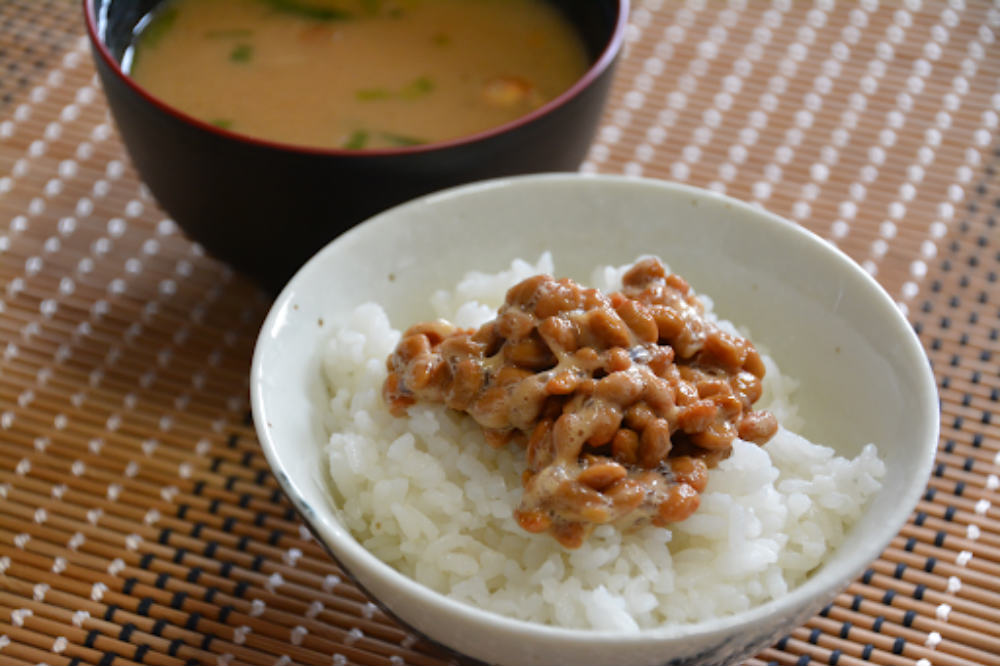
(356, 74)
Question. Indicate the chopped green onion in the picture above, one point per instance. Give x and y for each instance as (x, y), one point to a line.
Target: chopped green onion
(309, 11)
(412, 90)
(223, 123)
(401, 139)
(417, 88)
(357, 140)
(372, 94)
(441, 39)
(241, 53)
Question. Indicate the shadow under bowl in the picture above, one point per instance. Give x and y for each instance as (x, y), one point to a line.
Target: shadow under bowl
(266, 207)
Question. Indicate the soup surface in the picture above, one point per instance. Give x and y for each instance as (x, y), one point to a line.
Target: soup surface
(356, 74)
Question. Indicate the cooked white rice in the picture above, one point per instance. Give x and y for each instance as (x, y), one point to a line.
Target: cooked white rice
(428, 496)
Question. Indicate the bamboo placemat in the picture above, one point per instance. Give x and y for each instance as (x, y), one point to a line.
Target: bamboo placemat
(138, 520)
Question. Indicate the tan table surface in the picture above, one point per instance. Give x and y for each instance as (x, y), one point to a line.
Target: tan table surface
(138, 520)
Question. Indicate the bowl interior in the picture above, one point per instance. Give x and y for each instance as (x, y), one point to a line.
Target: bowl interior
(864, 377)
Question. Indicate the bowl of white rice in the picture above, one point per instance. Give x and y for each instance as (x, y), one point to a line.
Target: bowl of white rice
(419, 511)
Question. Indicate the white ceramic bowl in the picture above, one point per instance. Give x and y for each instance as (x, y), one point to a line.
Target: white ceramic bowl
(864, 376)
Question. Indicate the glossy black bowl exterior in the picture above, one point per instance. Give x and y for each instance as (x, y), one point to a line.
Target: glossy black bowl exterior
(266, 207)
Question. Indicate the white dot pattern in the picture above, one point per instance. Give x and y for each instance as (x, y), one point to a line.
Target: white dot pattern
(124, 348)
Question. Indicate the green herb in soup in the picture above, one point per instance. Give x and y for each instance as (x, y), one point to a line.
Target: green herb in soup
(400, 140)
(416, 88)
(360, 139)
(241, 53)
(318, 11)
(357, 140)
(357, 74)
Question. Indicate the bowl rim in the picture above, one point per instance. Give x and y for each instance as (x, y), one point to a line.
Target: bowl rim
(821, 585)
(602, 63)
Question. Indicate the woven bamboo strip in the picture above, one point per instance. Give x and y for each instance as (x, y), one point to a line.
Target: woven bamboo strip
(988, 582)
(259, 485)
(126, 286)
(174, 425)
(905, 615)
(175, 418)
(161, 496)
(29, 505)
(922, 115)
(965, 411)
(981, 344)
(947, 520)
(24, 648)
(965, 450)
(221, 572)
(982, 600)
(970, 486)
(105, 340)
(219, 528)
(964, 613)
(840, 624)
(204, 373)
(11, 660)
(68, 387)
(781, 657)
(257, 482)
(965, 512)
(67, 251)
(176, 366)
(109, 395)
(334, 612)
(199, 506)
(124, 414)
(982, 392)
(37, 640)
(179, 306)
(822, 645)
(162, 605)
(64, 622)
(42, 361)
(77, 636)
(374, 626)
(877, 599)
(203, 508)
(243, 551)
(874, 648)
(131, 441)
(204, 376)
(108, 645)
(975, 478)
(849, 161)
(153, 266)
(162, 602)
(790, 650)
(978, 551)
